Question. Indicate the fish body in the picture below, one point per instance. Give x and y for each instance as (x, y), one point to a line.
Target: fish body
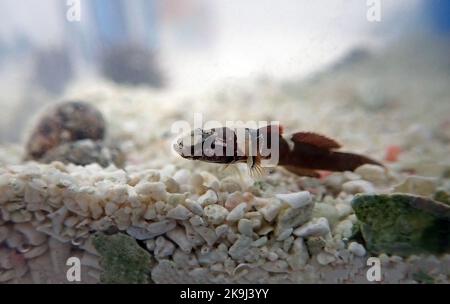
(303, 153)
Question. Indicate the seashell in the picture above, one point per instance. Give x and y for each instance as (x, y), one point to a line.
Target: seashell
(296, 200)
(178, 236)
(245, 227)
(316, 227)
(163, 247)
(179, 213)
(215, 214)
(237, 213)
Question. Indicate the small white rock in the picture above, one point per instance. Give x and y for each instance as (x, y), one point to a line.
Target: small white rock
(358, 186)
(215, 214)
(296, 199)
(194, 207)
(179, 213)
(357, 249)
(325, 258)
(316, 227)
(156, 190)
(270, 211)
(163, 247)
(209, 198)
(372, 173)
(245, 227)
(237, 213)
(285, 234)
(197, 221)
(178, 236)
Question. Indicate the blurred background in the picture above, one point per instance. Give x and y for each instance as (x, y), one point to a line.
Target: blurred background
(187, 46)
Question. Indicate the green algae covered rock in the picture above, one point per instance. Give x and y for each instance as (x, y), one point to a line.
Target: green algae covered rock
(442, 196)
(403, 224)
(122, 259)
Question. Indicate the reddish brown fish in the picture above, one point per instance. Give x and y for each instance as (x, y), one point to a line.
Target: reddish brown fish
(302, 154)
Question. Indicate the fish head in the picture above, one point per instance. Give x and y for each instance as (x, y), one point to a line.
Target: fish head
(206, 145)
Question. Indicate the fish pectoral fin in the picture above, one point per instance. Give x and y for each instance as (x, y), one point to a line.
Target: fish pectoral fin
(317, 140)
(302, 171)
(255, 168)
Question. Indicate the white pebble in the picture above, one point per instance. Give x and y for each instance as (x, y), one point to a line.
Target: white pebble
(325, 258)
(270, 211)
(285, 234)
(197, 221)
(296, 199)
(358, 186)
(237, 213)
(215, 214)
(156, 191)
(163, 247)
(209, 198)
(194, 207)
(357, 249)
(245, 227)
(179, 213)
(316, 227)
(372, 173)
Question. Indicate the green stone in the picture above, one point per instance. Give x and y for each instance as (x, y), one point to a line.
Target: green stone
(442, 196)
(403, 224)
(123, 261)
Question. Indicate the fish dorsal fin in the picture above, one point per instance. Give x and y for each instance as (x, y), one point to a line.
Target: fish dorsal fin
(316, 140)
